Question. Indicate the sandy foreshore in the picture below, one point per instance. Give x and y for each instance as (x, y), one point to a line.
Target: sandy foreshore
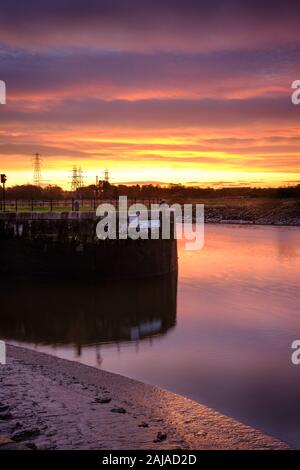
(51, 403)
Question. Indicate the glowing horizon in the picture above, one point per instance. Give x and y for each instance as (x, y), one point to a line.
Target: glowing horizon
(160, 100)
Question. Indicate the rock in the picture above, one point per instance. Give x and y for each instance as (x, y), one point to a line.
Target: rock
(26, 434)
(118, 410)
(160, 437)
(103, 400)
(143, 425)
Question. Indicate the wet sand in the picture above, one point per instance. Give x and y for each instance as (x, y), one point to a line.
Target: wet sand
(51, 403)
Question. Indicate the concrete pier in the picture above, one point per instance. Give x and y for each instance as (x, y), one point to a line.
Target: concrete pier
(65, 244)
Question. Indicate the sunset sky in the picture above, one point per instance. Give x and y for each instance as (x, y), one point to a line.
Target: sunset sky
(195, 92)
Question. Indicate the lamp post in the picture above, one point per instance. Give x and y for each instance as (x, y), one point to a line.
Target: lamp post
(3, 181)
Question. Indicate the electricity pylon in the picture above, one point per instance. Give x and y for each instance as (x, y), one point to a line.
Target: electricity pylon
(37, 172)
(77, 178)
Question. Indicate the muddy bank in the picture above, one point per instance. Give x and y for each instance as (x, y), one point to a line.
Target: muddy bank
(51, 403)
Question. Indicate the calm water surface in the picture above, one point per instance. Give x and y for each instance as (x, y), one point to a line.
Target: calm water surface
(221, 335)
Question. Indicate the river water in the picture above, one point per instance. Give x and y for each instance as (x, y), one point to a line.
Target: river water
(221, 333)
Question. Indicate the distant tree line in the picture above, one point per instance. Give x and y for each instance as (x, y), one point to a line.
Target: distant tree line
(171, 191)
(28, 191)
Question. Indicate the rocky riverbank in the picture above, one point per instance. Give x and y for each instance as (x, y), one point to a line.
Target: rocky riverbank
(256, 211)
(51, 403)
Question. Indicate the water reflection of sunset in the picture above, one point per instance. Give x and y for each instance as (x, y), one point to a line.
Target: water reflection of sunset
(255, 254)
(237, 315)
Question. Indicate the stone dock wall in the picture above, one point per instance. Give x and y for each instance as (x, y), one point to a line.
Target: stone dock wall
(65, 244)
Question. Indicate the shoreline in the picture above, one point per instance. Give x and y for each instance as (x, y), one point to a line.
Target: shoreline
(55, 403)
(255, 223)
(252, 223)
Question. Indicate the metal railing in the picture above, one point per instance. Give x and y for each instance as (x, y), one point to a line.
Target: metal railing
(65, 205)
